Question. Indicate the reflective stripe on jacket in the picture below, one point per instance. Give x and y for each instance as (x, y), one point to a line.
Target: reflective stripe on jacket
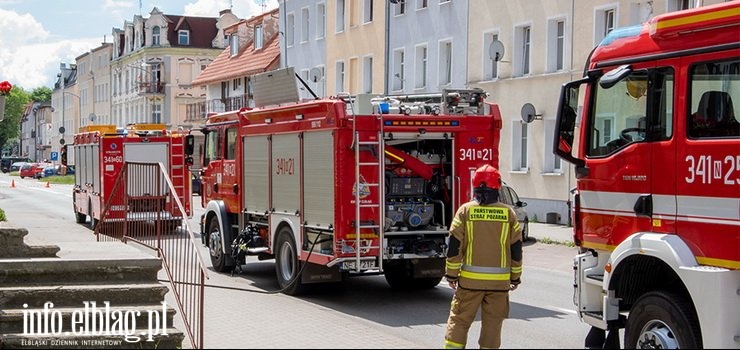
(487, 256)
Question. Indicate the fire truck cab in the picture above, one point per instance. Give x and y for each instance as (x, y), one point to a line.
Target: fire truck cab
(652, 131)
(337, 187)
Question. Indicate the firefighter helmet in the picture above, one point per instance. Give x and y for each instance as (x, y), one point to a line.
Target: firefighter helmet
(487, 175)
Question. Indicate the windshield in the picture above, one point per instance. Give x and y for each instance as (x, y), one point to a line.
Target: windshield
(634, 108)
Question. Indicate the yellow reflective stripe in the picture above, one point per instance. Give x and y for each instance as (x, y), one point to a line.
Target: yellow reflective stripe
(469, 248)
(516, 269)
(455, 222)
(451, 265)
(485, 276)
(449, 344)
(516, 226)
(504, 246)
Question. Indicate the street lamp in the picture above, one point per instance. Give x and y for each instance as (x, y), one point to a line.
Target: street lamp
(79, 113)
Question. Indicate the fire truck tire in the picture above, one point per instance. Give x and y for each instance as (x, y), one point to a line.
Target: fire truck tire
(287, 266)
(218, 257)
(663, 320)
(93, 220)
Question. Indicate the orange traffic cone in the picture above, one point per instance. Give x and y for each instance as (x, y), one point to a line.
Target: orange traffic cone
(47, 184)
(12, 183)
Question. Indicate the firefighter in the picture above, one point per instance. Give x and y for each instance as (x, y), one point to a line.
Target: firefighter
(484, 262)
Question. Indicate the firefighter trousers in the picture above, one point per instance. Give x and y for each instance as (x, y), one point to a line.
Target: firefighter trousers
(494, 307)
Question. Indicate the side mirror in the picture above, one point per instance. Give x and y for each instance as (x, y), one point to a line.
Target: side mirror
(189, 144)
(614, 76)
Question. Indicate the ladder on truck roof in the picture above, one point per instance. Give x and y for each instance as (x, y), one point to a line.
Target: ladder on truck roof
(378, 223)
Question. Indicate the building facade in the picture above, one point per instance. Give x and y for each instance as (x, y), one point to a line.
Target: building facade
(254, 47)
(154, 62)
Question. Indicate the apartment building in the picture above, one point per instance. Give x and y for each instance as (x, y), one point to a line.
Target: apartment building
(154, 62)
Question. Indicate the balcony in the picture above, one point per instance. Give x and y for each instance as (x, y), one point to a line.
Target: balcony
(151, 88)
(198, 112)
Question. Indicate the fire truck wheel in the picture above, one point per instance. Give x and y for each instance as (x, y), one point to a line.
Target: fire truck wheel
(662, 320)
(287, 266)
(218, 257)
(93, 221)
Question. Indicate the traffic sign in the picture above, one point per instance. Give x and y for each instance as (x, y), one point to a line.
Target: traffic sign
(54, 155)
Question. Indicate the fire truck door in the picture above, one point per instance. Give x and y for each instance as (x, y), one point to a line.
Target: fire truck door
(616, 188)
(229, 187)
(146, 152)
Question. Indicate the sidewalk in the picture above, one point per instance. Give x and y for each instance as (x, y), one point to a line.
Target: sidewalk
(552, 232)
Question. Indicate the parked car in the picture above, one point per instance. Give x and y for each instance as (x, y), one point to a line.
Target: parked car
(17, 166)
(196, 183)
(31, 170)
(508, 196)
(56, 169)
(6, 162)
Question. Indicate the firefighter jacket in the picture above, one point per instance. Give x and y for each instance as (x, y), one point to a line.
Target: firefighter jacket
(485, 248)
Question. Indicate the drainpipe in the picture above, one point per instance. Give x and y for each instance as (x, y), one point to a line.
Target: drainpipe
(387, 49)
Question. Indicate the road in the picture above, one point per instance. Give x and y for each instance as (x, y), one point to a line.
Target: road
(366, 313)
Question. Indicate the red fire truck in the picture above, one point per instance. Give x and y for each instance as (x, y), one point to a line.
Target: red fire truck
(656, 149)
(99, 153)
(330, 193)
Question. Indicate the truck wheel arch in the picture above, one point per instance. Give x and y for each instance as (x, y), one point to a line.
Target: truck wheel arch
(216, 210)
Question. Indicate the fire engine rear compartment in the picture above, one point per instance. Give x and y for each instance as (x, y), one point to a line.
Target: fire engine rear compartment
(312, 190)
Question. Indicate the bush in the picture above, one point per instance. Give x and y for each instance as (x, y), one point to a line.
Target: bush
(2, 215)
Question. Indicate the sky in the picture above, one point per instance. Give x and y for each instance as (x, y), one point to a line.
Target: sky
(37, 35)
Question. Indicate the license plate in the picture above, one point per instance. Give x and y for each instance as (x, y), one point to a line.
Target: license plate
(364, 265)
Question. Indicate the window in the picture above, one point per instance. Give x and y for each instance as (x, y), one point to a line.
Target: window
(398, 74)
(678, 5)
(237, 84)
(520, 150)
(339, 27)
(422, 4)
(211, 147)
(290, 30)
(156, 113)
(490, 64)
(445, 62)
(552, 163)
(420, 79)
(368, 11)
(367, 74)
(622, 115)
(305, 24)
(230, 143)
(555, 45)
(340, 77)
(715, 88)
(320, 21)
(608, 21)
(233, 45)
(522, 50)
(155, 35)
(400, 8)
(183, 37)
(604, 22)
(258, 37)
(224, 89)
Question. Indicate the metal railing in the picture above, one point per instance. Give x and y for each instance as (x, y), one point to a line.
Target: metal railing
(145, 208)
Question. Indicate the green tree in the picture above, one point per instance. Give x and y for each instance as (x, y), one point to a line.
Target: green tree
(41, 94)
(15, 104)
